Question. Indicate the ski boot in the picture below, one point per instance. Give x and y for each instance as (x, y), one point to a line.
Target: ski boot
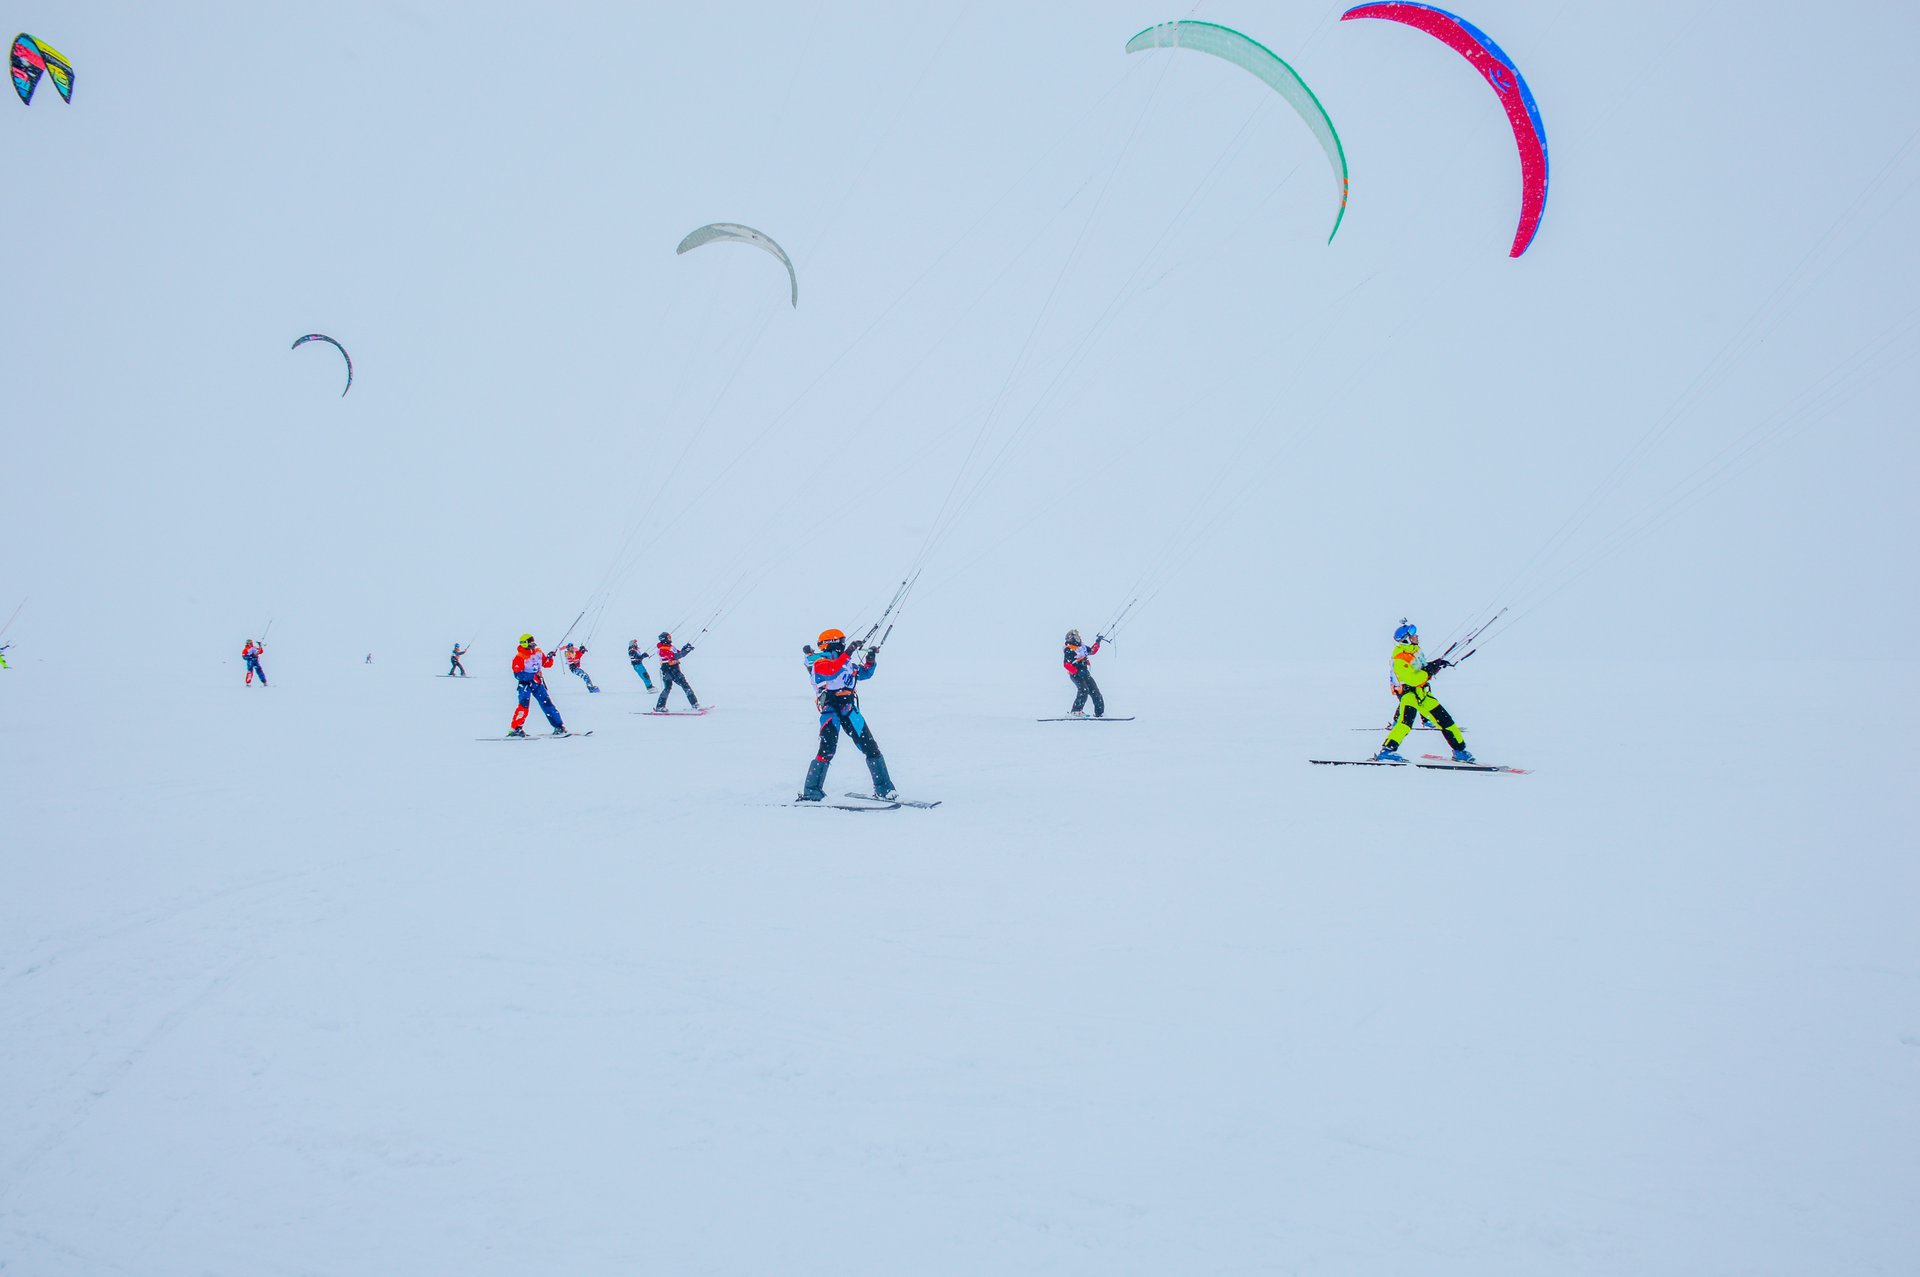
(1460, 754)
(810, 798)
(882, 780)
(1076, 713)
(518, 733)
(1388, 754)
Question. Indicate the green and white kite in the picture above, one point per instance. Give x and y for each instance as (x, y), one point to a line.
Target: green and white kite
(1250, 55)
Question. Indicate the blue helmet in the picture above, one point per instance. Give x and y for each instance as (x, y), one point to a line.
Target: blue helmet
(1407, 633)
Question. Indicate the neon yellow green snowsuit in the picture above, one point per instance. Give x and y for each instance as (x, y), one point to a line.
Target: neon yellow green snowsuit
(1410, 680)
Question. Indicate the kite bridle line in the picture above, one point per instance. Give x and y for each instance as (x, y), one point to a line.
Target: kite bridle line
(1106, 632)
(890, 615)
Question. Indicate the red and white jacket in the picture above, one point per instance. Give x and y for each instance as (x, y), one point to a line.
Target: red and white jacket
(528, 662)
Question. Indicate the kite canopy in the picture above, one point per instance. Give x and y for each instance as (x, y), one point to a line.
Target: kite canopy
(1473, 44)
(32, 59)
(1250, 55)
(739, 234)
(337, 346)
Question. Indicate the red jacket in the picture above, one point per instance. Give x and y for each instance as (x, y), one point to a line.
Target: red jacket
(529, 661)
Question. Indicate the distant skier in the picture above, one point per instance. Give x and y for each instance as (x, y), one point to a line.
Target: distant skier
(670, 672)
(836, 680)
(1411, 680)
(575, 654)
(637, 658)
(528, 661)
(251, 655)
(3, 654)
(1078, 660)
(457, 667)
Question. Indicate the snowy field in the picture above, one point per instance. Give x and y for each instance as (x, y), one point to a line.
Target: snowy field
(301, 982)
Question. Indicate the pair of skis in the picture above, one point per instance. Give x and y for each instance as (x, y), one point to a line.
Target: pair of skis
(1087, 718)
(867, 802)
(1435, 762)
(537, 736)
(675, 713)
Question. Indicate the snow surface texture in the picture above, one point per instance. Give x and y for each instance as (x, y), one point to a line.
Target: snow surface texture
(308, 980)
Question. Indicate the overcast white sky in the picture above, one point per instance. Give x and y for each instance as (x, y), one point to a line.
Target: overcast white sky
(1117, 264)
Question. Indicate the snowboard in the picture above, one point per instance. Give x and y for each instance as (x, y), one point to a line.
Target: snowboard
(675, 713)
(898, 802)
(870, 805)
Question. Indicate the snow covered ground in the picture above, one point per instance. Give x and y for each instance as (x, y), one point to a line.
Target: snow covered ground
(308, 980)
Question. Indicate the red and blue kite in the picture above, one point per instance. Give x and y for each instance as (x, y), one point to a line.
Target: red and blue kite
(30, 59)
(1473, 44)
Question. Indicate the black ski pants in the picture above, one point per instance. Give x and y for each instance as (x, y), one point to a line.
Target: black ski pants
(669, 675)
(1085, 687)
(833, 720)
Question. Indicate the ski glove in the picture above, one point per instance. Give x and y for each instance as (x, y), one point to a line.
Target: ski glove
(1435, 666)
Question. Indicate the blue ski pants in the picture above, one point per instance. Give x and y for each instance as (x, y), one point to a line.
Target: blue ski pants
(669, 675)
(834, 720)
(535, 690)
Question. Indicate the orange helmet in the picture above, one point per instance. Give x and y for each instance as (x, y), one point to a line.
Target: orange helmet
(831, 636)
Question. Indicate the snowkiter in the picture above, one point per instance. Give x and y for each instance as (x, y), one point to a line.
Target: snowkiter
(528, 661)
(3, 654)
(637, 658)
(574, 654)
(670, 672)
(836, 679)
(1077, 659)
(251, 655)
(457, 667)
(1412, 680)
